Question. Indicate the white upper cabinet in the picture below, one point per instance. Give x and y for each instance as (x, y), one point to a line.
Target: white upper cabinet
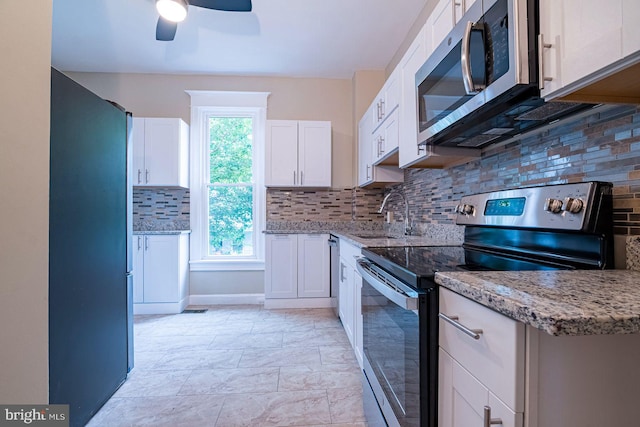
(441, 22)
(368, 173)
(298, 153)
(585, 41)
(408, 116)
(385, 141)
(160, 152)
(387, 99)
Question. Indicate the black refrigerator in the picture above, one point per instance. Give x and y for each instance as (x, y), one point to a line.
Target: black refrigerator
(90, 306)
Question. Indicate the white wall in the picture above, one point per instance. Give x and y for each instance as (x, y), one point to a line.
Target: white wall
(25, 44)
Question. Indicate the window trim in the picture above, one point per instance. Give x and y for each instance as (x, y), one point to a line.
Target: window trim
(203, 105)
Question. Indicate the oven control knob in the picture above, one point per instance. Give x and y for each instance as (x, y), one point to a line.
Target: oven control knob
(573, 205)
(465, 209)
(553, 205)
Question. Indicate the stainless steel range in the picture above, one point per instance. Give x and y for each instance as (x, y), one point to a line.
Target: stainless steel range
(566, 226)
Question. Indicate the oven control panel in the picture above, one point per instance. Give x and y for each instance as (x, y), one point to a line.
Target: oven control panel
(562, 206)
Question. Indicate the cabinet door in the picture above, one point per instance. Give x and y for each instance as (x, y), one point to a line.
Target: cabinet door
(585, 36)
(385, 139)
(137, 139)
(281, 153)
(314, 153)
(357, 316)
(391, 129)
(591, 36)
(462, 398)
(413, 59)
(346, 303)
(365, 171)
(440, 23)
(313, 266)
(161, 268)
(550, 35)
(162, 151)
(391, 93)
(138, 268)
(280, 266)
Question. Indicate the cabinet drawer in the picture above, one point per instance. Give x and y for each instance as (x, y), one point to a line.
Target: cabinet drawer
(496, 358)
(349, 253)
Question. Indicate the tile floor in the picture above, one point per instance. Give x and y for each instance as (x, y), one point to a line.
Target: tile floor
(239, 366)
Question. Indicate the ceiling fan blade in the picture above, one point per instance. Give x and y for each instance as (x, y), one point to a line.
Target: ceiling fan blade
(165, 30)
(226, 5)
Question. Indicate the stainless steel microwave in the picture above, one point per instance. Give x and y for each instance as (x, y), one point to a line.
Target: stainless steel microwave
(480, 85)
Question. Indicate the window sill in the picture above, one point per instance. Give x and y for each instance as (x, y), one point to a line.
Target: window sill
(226, 265)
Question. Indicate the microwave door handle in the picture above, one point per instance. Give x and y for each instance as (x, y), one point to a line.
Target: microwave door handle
(465, 61)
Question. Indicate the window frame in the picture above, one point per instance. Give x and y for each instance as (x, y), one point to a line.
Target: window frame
(205, 104)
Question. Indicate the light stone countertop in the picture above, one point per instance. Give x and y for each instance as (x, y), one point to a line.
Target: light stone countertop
(579, 302)
(377, 240)
(165, 232)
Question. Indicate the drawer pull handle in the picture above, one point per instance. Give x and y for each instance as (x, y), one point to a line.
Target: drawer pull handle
(473, 333)
(488, 421)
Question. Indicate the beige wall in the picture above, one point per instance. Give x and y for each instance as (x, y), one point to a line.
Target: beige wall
(25, 44)
(157, 95)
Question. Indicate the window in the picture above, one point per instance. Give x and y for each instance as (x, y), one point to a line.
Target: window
(227, 187)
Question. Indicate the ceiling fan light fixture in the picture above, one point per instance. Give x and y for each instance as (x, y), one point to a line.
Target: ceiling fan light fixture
(172, 10)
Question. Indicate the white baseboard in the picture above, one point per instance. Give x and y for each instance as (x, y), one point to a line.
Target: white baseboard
(272, 303)
(227, 299)
(160, 308)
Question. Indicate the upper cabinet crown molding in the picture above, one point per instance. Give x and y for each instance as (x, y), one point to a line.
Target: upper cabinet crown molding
(160, 152)
(298, 154)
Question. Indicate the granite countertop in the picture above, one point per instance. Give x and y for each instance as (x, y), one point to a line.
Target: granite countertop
(579, 302)
(378, 240)
(138, 232)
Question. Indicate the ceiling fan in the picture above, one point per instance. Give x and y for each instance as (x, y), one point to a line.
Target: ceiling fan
(174, 11)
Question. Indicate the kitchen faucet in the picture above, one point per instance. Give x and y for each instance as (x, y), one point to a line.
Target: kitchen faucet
(407, 224)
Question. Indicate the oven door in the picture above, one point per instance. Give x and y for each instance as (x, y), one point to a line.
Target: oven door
(398, 363)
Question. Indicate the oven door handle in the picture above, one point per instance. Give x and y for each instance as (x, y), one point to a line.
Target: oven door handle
(404, 297)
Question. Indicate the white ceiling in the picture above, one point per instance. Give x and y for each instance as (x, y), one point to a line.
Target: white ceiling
(296, 38)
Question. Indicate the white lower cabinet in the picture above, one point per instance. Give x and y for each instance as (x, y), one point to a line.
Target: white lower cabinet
(481, 376)
(297, 267)
(517, 375)
(465, 401)
(160, 273)
(350, 297)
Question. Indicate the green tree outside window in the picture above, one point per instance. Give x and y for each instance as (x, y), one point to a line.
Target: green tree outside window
(231, 190)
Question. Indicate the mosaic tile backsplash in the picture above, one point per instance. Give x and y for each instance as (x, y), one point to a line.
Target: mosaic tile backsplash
(604, 146)
(160, 209)
(336, 205)
(601, 147)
